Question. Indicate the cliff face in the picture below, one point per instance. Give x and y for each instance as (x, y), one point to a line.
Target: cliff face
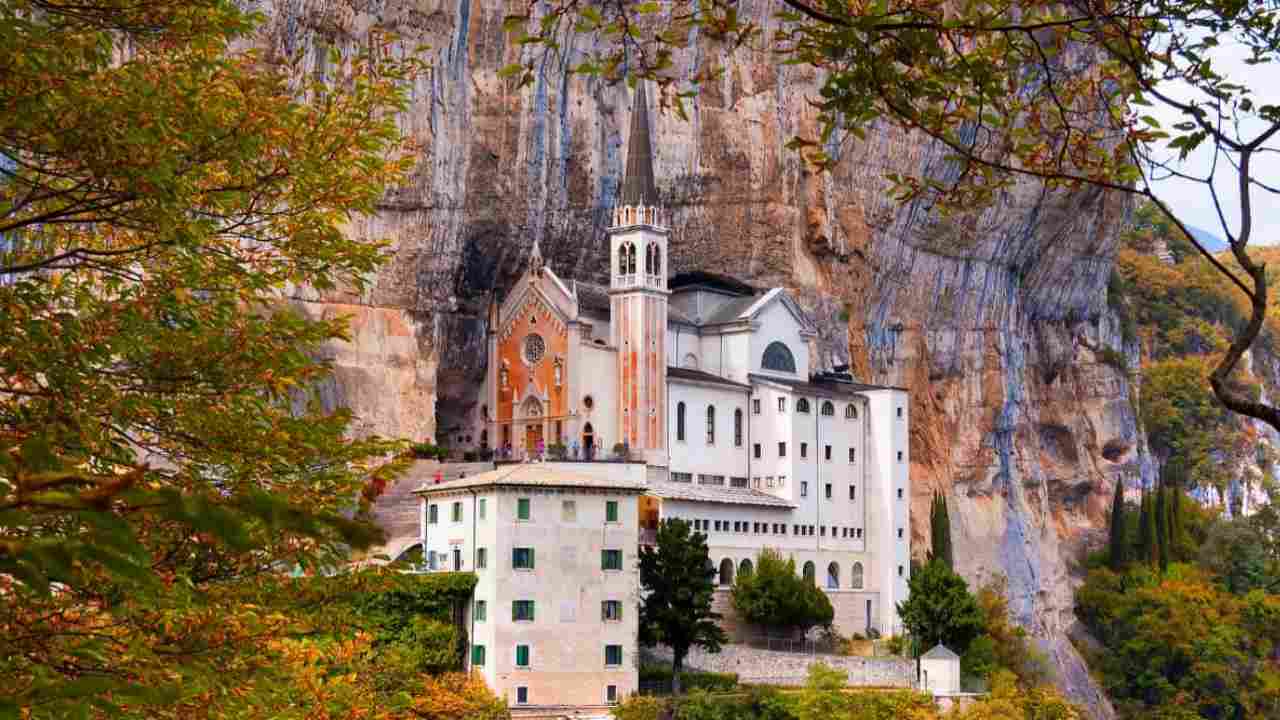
(988, 319)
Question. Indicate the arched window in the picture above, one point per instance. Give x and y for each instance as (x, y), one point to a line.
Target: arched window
(711, 424)
(690, 361)
(828, 409)
(802, 406)
(631, 259)
(833, 576)
(726, 572)
(680, 421)
(657, 258)
(737, 427)
(850, 412)
(745, 568)
(778, 357)
(857, 576)
(810, 572)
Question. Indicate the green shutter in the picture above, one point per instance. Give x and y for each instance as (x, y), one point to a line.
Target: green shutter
(477, 655)
(531, 606)
(522, 656)
(611, 511)
(530, 558)
(522, 509)
(604, 559)
(515, 610)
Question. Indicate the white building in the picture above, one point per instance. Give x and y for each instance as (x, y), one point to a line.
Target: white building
(711, 383)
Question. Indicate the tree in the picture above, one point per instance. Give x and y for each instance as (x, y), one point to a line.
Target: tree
(774, 595)
(1162, 528)
(1118, 544)
(164, 453)
(678, 585)
(940, 609)
(1148, 552)
(940, 530)
(1015, 91)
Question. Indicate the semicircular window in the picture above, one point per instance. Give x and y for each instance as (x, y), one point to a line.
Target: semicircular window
(777, 356)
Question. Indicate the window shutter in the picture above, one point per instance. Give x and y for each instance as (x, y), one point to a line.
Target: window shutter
(515, 609)
(531, 557)
(532, 604)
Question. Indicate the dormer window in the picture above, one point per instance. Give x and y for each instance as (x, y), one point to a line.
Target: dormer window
(778, 357)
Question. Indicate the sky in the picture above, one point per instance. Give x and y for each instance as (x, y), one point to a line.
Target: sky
(1192, 202)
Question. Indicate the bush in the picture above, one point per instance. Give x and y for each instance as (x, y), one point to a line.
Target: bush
(775, 596)
(691, 679)
(557, 451)
(621, 451)
(640, 707)
(427, 451)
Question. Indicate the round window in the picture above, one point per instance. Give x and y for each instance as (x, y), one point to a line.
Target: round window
(534, 348)
(588, 402)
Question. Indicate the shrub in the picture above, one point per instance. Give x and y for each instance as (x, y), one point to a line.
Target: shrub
(640, 707)
(427, 451)
(621, 451)
(775, 596)
(691, 679)
(557, 451)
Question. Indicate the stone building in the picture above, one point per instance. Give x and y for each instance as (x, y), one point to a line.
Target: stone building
(712, 387)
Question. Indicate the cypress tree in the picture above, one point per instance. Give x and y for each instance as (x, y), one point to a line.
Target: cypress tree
(949, 552)
(1162, 527)
(1118, 542)
(1175, 525)
(1146, 532)
(940, 530)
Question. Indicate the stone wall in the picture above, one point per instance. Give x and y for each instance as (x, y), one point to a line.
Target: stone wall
(779, 668)
(396, 509)
(850, 608)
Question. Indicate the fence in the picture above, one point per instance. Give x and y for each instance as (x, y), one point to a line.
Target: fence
(804, 646)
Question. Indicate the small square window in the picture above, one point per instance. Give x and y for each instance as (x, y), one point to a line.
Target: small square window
(804, 488)
(859, 533)
(828, 491)
(612, 655)
(853, 492)
(899, 412)
(899, 532)
(795, 529)
(782, 449)
(522, 558)
(782, 404)
(899, 456)
(477, 655)
(522, 509)
(610, 559)
(569, 510)
(899, 571)
(611, 511)
(853, 455)
(611, 610)
(522, 610)
(611, 694)
(822, 530)
(755, 406)
(482, 558)
(826, 453)
(482, 611)
(455, 513)
(899, 493)
(756, 449)
(522, 696)
(433, 514)
(804, 450)
(481, 508)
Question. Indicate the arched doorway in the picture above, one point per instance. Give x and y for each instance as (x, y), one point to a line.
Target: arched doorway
(588, 441)
(533, 425)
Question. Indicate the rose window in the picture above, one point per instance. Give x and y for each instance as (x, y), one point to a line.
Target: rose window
(534, 348)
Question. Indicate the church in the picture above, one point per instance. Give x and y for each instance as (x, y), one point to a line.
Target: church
(671, 394)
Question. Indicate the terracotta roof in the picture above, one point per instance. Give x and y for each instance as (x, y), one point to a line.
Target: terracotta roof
(533, 474)
(692, 492)
(679, 373)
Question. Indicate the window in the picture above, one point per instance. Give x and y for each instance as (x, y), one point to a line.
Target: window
(899, 493)
(899, 456)
(828, 491)
(853, 455)
(522, 610)
(522, 509)
(859, 533)
(782, 481)
(828, 409)
(850, 412)
(611, 511)
(711, 424)
(899, 532)
(782, 449)
(826, 453)
(782, 404)
(457, 559)
(757, 454)
(680, 422)
(755, 405)
(569, 510)
(477, 655)
(611, 694)
(455, 513)
(431, 559)
(802, 406)
(804, 450)
(822, 530)
(856, 575)
(522, 558)
(522, 693)
(482, 611)
(612, 655)
(899, 411)
(681, 477)
(433, 513)
(611, 610)
(853, 492)
(768, 481)
(610, 559)
(482, 508)
(725, 577)
(737, 427)
(482, 558)
(833, 576)
(738, 482)
(778, 357)
(899, 571)
(810, 572)
(804, 488)
(711, 480)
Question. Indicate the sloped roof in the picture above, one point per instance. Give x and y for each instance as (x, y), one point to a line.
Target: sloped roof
(592, 297)
(680, 373)
(940, 652)
(722, 494)
(711, 280)
(820, 387)
(533, 475)
(731, 311)
(637, 185)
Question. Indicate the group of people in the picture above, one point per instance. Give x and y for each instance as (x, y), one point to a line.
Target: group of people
(573, 451)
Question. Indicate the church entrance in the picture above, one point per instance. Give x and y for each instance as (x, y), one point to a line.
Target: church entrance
(588, 441)
(533, 427)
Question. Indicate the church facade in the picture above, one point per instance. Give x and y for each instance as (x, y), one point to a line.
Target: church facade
(712, 385)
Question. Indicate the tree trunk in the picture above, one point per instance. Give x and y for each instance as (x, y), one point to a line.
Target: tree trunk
(677, 665)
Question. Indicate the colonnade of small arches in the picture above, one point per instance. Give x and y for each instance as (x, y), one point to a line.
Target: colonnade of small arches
(637, 215)
(725, 574)
(652, 259)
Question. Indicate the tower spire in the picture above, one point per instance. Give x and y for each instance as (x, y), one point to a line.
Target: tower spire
(535, 257)
(637, 185)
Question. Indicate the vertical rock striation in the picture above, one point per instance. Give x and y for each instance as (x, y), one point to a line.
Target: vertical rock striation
(989, 319)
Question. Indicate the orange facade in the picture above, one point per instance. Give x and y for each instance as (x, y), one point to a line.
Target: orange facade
(532, 402)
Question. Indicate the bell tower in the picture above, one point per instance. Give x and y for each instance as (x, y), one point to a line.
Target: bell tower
(638, 296)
